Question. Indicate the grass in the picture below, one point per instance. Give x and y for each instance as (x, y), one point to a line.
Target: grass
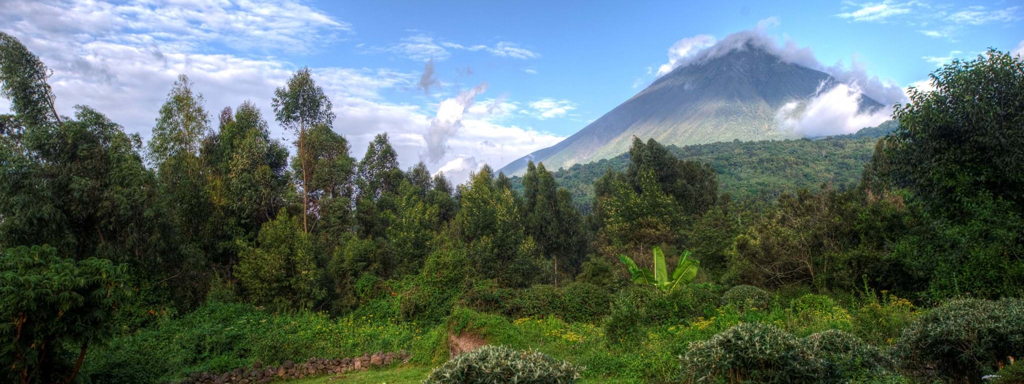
(402, 375)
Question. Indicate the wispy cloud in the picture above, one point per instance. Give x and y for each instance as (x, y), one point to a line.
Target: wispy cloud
(939, 21)
(548, 108)
(876, 12)
(978, 15)
(422, 47)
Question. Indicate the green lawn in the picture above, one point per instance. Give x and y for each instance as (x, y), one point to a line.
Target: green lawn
(402, 375)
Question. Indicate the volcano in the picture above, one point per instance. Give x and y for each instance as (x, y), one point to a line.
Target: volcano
(734, 96)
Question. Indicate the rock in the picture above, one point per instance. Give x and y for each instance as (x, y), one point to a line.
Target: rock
(288, 364)
(377, 359)
(257, 365)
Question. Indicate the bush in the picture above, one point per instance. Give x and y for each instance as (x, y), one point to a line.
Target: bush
(751, 352)
(846, 356)
(816, 313)
(746, 297)
(1010, 374)
(637, 307)
(964, 339)
(880, 321)
(585, 302)
(495, 365)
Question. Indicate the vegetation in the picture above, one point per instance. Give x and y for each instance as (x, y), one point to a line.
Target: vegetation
(892, 255)
(490, 364)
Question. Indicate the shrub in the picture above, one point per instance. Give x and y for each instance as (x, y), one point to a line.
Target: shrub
(751, 352)
(815, 313)
(541, 299)
(746, 297)
(495, 365)
(1010, 374)
(964, 339)
(585, 302)
(880, 321)
(846, 356)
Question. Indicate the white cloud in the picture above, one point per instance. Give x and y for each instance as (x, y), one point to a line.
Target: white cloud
(877, 12)
(978, 15)
(1019, 51)
(459, 168)
(420, 48)
(921, 86)
(502, 49)
(427, 79)
(683, 49)
(935, 34)
(123, 58)
(940, 61)
(884, 91)
(548, 108)
(833, 112)
(530, 71)
(447, 123)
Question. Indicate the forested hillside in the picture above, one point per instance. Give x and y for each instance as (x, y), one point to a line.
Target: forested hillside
(755, 171)
(206, 255)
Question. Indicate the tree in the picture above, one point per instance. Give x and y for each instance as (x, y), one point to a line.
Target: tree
(300, 105)
(552, 220)
(80, 186)
(280, 271)
(691, 184)
(23, 82)
(330, 181)
(256, 173)
(966, 137)
(489, 224)
(378, 180)
(52, 309)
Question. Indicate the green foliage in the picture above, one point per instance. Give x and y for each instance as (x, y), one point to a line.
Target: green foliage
(760, 353)
(52, 310)
(846, 357)
(751, 171)
(23, 82)
(221, 337)
(880, 321)
(636, 308)
(576, 302)
(280, 271)
(1010, 374)
(553, 221)
(963, 339)
(599, 272)
(754, 352)
(683, 274)
(490, 364)
(488, 222)
(745, 297)
(964, 137)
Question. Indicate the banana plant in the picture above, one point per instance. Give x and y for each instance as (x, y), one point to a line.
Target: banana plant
(684, 273)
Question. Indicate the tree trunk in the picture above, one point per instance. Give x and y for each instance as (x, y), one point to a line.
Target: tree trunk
(78, 364)
(305, 181)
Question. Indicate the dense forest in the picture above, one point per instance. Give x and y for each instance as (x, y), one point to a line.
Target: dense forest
(894, 255)
(752, 171)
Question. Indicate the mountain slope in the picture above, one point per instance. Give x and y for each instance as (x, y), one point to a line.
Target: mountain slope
(732, 97)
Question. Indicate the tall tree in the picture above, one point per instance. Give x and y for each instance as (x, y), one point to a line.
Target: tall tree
(331, 181)
(966, 137)
(23, 82)
(552, 220)
(299, 106)
(378, 180)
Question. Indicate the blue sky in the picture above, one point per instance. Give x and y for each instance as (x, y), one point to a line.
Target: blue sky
(508, 77)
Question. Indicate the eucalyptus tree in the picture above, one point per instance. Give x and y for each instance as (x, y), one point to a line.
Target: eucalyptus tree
(299, 106)
(23, 82)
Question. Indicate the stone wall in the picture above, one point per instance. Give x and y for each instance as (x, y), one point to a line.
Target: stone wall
(259, 374)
